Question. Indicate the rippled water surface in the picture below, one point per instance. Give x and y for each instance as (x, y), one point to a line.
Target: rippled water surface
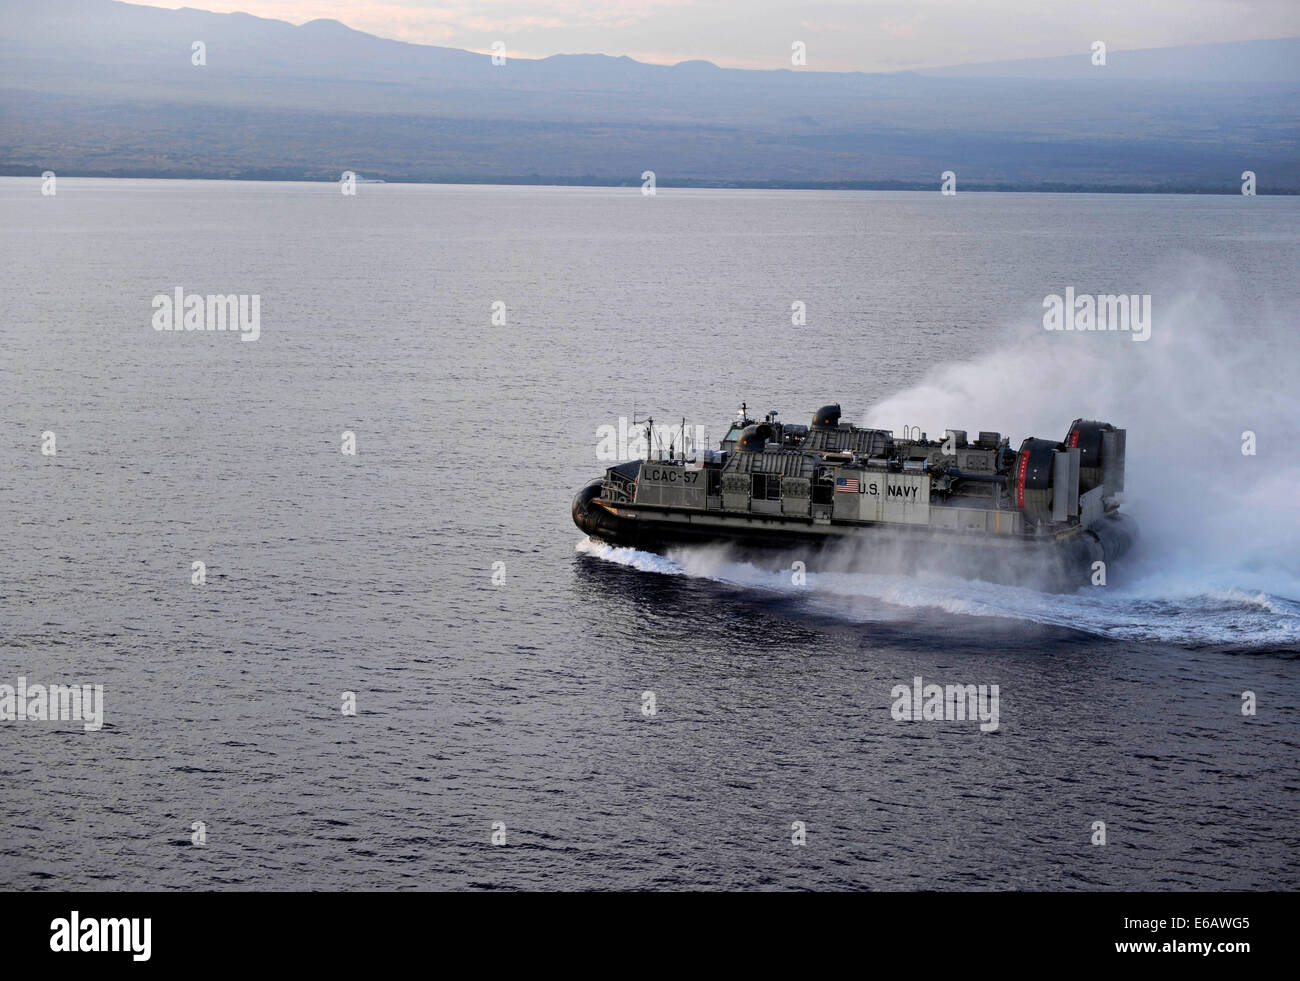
(520, 701)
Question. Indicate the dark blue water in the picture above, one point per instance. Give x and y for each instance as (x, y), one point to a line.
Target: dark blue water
(520, 701)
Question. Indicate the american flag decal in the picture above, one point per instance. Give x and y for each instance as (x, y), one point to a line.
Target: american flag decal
(846, 485)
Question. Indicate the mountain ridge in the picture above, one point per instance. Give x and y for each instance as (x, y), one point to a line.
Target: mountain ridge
(100, 86)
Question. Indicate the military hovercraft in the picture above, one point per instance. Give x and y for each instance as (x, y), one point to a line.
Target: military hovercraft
(1044, 515)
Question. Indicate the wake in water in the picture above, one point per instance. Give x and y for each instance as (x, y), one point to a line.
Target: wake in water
(1218, 557)
(1225, 616)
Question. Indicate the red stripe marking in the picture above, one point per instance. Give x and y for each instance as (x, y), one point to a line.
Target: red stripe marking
(1021, 469)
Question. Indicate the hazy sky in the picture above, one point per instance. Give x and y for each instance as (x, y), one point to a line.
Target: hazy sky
(840, 35)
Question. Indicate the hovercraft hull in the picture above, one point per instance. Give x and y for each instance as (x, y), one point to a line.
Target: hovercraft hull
(1054, 564)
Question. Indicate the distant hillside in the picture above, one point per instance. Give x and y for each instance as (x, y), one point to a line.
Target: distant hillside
(100, 87)
(1231, 61)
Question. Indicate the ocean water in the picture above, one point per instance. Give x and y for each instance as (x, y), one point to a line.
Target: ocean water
(517, 700)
